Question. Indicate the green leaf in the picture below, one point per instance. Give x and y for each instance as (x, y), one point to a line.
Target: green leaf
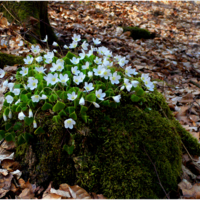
(8, 126)
(70, 109)
(70, 55)
(6, 111)
(14, 107)
(110, 92)
(83, 109)
(84, 117)
(53, 98)
(24, 108)
(10, 137)
(27, 137)
(91, 97)
(18, 86)
(73, 116)
(39, 76)
(62, 113)
(39, 131)
(56, 118)
(46, 106)
(20, 140)
(76, 102)
(24, 98)
(58, 106)
(135, 98)
(2, 134)
(18, 109)
(68, 149)
(28, 120)
(17, 126)
(139, 92)
(106, 103)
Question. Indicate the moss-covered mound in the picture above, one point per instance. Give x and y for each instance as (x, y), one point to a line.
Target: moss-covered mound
(139, 33)
(112, 150)
(7, 59)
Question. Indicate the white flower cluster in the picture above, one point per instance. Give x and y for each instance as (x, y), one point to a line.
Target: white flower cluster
(84, 67)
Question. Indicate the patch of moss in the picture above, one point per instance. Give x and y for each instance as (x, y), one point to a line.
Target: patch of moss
(139, 33)
(7, 59)
(109, 155)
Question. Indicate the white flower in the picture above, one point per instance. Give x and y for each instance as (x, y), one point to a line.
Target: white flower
(32, 84)
(117, 58)
(17, 101)
(35, 49)
(31, 78)
(43, 96)
(86, 66)
(60, 61)
(77, 79)
(48, 60)
(99, 71)
(73, 45)
(75, 70)
(82, 76)
(65, 47)
(59, 66)
(122, 88)
(64, 78)
(117, 98)
(82, 101)
(49, 55)
(74, 60)
(88, 86)
(34, 124)
(55, 44)
(106, 74)
(129, 71)
(2, 73)
(144, 77)
(30, 113)
(9, 99)
(40, 69)
(21, 116)
(55, 51)
(101, 50)
(127, 84)
(10, 86)
(115, 78)
(21, 43)
(16, 91)
(4, 117)
(72, 96)
(5, 83)
(35, 98)
(97, 60)
(90, 52)
(100, 95)
(76, 38)
(45, 39)
(11, 78)
(90, 74)
(96, 105)
(51, 79)
(10, 114)
(85, 45)
(149, 85)
(122, 61)
(82, 55)
(96, 41)
(39, 59)
(134, 83)
(24, 71)
(69, 123)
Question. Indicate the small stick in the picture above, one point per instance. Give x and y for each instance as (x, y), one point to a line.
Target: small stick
(194, 83)
(157, 175)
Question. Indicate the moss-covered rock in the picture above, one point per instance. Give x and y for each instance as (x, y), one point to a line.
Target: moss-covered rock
(109, 155)
(139, 33)
(8, 59)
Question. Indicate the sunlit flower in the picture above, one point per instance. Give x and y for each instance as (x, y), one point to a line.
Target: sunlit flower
(88, 86)
(30, 113)
(76, 38)
(40, 69)
(100, 95)
(5, 83)
(2, 73)
(96, 41)
(24, 71)
(86, 66)
(82, 76)
(75, 70)
(28, 60)
(65, 47)
(34, 124)
(17, 101)
(69, 123)
(45, 39)
(39, 59)
(43, 97)
(10, 114)
(73, 45)
(82, 101)
(127, 84)
(97, 60)
(16, 91)
(85, 45)
(90, 74)
(10, 86)
(82, 55)
(35, 49)
(74, 60)
(55, 44)
(77, 79)
(4, 117)
(63, 78)
(122, 61)
(51, 79)
(72, 96)
(99, 71)
(60, 61)
(21, 43)
(49, 55)
(9, 99)
(144, 77)
(21, 116)
(129, 71)
(35, 98)
(106, 73)
(96, 105)
(114, 78)
(32, 84)
(134, 83)
(117, 98)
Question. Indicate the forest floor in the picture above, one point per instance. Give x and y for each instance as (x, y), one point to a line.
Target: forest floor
(172, 58)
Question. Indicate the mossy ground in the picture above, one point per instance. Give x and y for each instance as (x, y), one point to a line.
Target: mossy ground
(109, 155)
(7, 59)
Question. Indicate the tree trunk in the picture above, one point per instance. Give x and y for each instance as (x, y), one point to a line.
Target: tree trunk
(33, 16)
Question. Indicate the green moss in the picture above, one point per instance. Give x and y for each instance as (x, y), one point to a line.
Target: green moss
(109, 155)
(7, 59)
(138, 33)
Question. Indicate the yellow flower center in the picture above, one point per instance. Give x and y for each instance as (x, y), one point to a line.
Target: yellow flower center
(53, 79)
(98, 95)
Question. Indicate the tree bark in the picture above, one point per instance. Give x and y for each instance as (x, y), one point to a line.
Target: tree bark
(33, 16)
